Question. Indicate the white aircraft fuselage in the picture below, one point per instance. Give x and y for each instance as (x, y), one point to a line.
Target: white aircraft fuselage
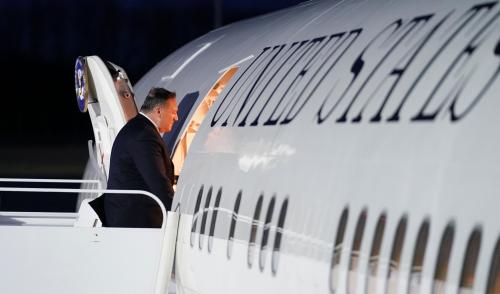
(333, 147)
(381, 110)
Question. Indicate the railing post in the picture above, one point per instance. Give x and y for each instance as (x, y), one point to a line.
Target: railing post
(166, 262)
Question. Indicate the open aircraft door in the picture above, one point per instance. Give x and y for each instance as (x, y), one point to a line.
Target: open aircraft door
(103, 89)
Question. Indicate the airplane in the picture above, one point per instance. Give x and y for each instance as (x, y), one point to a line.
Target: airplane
(331, 147)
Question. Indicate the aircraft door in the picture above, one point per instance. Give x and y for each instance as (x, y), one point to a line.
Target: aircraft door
(191, 128)
(104, 90)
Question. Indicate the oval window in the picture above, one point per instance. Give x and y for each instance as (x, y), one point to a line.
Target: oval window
(337, 251)
(234, 219)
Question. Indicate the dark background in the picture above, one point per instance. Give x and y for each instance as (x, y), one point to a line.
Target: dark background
(43, 134)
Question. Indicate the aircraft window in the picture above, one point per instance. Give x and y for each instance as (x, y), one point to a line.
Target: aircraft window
(204, 218)
(196, 214)
(253, 232)
(337, 251)
(470, 262)
(494, 276)
(418, 259)
(214, 220)
(234, 218)
(441, 271)
(265, 234)
(397, 248)
(375, 254)
(355, 252)
(182, 147)
(277, 238)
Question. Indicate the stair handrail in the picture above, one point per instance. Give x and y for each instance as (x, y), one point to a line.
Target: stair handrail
(57, 181)
(97, 191)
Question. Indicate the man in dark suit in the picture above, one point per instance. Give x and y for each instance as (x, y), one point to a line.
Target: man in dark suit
(140, 161)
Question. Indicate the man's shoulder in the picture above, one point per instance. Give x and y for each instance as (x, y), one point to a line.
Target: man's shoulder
(138, 128)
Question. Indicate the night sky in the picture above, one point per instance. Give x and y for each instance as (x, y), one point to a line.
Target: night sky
(43, 134)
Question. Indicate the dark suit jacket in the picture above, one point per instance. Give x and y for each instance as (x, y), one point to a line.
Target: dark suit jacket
(139, 161)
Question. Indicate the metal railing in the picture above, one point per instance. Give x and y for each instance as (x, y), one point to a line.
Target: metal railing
(57, 181)
(96, 191)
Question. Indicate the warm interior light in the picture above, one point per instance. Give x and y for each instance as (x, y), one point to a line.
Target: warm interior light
(182, 148)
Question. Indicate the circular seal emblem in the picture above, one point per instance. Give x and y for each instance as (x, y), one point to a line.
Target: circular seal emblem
(81, 85)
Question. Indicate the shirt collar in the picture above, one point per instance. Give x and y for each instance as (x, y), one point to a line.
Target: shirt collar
(151, 122)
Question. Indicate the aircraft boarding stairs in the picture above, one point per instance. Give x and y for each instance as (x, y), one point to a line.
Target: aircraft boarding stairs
(71, 253)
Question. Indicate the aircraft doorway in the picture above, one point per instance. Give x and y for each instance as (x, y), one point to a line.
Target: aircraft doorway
(190, 131)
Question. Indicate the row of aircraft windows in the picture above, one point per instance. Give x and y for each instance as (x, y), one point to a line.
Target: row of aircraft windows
(256, 220)
(467, 277)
